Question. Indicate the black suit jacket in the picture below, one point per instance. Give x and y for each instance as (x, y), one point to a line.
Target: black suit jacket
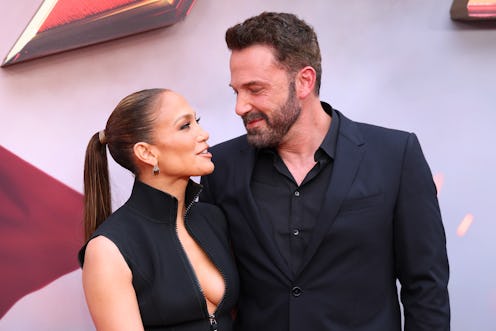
(379, 223)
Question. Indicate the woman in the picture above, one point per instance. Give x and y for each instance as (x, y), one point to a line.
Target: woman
(162, 261)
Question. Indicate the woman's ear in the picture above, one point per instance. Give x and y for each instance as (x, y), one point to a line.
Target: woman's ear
(144, 152)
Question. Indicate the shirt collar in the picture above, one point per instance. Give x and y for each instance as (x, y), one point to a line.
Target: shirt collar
(329, 143)
(328, 146)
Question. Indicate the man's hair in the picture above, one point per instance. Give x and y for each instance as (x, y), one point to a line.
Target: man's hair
(294, 42)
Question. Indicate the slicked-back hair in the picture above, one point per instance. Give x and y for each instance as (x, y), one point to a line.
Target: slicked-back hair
(132, 121)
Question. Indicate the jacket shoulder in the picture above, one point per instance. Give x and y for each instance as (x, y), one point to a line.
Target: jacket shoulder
(237, 143)
(230, 152)
(381, 139)
(370, 131)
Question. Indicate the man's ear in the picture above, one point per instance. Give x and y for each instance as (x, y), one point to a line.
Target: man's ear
(144, 152)
(305, 81)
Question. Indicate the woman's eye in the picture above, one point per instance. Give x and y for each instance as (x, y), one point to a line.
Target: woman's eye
(185, 126)
(198, 119)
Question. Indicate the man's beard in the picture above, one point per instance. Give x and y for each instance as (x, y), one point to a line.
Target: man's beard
(277, 126)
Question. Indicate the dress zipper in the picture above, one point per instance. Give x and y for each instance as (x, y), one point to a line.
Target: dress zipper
(211, 317)
(213, 322)
(203, 247)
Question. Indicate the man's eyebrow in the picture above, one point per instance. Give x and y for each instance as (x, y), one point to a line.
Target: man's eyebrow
(248, 84)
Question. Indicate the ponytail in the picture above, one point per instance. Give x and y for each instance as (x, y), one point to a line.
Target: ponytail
(97, 203)
(131, 122)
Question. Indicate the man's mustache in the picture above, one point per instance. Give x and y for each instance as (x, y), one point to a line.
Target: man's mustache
(253, 116)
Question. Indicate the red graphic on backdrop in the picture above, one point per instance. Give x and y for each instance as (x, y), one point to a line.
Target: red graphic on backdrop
(61, 25)
(40, 229)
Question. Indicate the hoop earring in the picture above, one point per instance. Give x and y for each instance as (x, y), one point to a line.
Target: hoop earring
(156, 170)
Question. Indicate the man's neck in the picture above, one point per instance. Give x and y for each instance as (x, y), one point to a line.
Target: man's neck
(300, 144)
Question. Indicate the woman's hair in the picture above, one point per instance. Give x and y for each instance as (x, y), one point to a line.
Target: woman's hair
(294, 42)
(131, 122)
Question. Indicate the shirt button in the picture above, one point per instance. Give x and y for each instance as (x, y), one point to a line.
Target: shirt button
(296, 291)
(297, 194)
(296, 232)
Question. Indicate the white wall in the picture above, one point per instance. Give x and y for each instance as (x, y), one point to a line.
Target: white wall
(400, 64)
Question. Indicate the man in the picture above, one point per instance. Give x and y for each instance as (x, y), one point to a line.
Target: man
(325, 213)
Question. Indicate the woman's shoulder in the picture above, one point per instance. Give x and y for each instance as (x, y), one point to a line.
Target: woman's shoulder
(102, 248)
(98, 248)
(112, 233)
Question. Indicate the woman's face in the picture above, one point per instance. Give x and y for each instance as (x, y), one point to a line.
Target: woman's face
(179, 141)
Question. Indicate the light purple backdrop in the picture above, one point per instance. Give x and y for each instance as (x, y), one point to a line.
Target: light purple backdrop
(400, 64)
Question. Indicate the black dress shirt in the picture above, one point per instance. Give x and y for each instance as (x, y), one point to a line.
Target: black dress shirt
(293, 210)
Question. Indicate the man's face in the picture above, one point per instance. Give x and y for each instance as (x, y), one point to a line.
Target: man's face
(265, 95)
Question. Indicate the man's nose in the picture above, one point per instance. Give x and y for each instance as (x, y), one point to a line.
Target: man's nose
(243, 105)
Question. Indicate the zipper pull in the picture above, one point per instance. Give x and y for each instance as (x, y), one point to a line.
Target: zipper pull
(213, 322)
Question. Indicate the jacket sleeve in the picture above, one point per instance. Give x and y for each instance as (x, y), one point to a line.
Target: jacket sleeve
(420, 246)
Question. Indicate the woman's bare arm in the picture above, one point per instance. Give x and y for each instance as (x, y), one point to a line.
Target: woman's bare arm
(107, 283)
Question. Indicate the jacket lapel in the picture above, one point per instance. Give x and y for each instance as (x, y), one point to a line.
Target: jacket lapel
(250, 212)
(349, 153)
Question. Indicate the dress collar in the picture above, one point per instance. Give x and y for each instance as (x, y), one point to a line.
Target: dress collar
(159, 206)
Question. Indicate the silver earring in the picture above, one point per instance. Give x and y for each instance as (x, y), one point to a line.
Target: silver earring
(156, 170)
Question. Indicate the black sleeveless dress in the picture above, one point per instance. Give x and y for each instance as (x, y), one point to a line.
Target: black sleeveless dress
(168, 292)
